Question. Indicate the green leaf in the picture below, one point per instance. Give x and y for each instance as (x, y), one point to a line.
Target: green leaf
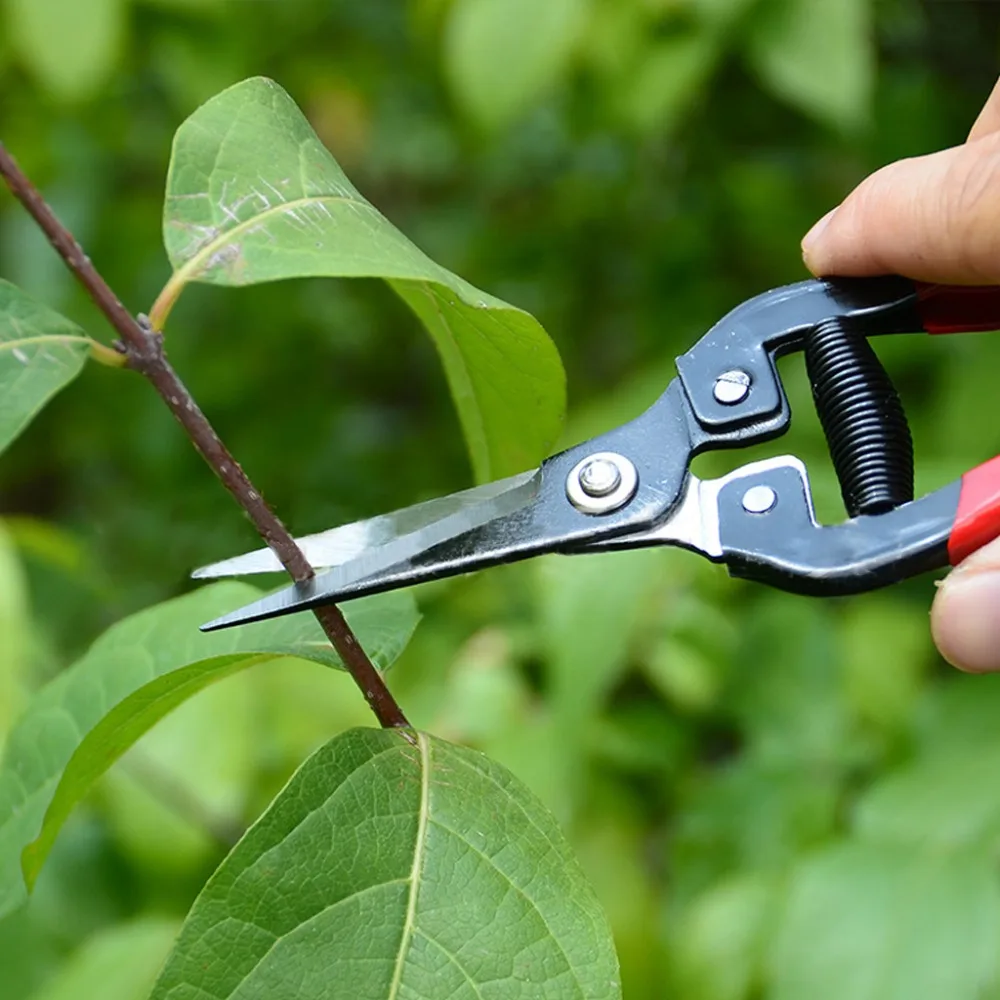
(589, 606)
(818, 56)
(13, 629)
(119, 963)
(865, 922)
(185, 787)
(783, 809)
(721, 13)
(612, 848)
(789, 697)
(720, 942)
(501, 55)
(133, 675)
(960, 715)
(253, 196)
(948, 800)
(40, 353)
(71, 47)
(666, 80)
(887, 648)
(423, 871)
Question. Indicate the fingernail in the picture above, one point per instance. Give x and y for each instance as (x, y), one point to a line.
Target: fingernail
(811, 238)
(966, 620)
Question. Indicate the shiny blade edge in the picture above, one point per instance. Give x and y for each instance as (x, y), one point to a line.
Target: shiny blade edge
(347, 542)
(388, 566)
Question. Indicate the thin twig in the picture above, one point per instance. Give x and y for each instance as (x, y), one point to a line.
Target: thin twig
(143, 347)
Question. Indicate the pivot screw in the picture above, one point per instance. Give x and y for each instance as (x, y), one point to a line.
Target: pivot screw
(601, 483)
(759, 499)
(732, 387)
(599, 477)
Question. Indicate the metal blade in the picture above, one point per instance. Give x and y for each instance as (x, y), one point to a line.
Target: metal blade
(377, 562)
(348, 542)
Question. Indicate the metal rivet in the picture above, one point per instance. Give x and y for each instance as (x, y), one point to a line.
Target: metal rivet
(759, 499)
(601, 483)
(600, 477)
(732, 387)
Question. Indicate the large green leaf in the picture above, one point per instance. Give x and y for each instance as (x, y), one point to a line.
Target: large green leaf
(71, 47)
(867, 922)
(819, 56)
(253, 196)
(40, 352)
(140, 669)
(391, 870)
(501, 55)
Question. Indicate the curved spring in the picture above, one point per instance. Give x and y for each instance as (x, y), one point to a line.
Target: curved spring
(862, 418)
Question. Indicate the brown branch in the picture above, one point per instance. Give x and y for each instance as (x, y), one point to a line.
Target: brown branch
(143, 348)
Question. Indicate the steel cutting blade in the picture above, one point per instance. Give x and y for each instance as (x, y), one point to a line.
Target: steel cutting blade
(367, 549)
(350, 542)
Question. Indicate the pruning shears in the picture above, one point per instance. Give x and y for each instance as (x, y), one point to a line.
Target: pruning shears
(632, 486)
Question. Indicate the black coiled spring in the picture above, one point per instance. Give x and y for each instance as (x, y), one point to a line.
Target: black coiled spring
(862, 418)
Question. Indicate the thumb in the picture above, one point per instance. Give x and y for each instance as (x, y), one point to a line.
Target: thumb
(934, 218)
(965, 618)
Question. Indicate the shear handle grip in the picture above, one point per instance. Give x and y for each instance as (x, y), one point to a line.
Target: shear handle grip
(958, 308)
(977, 519)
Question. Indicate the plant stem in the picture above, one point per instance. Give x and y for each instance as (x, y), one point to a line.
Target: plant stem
(143, 348)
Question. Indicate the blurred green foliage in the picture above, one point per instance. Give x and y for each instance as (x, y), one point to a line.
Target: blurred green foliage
(775, 797)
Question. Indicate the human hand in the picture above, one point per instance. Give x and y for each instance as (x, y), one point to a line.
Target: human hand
(933, 218)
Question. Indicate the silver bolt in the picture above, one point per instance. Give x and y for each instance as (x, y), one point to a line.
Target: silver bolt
(601, 482)
(600, 477)
(759, 499)
(732, 387)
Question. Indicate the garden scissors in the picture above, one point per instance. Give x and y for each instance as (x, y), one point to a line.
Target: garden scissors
(632, 486)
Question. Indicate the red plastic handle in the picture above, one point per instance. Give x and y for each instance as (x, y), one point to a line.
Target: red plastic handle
(977, 520)
(967, 309)
(958, 308)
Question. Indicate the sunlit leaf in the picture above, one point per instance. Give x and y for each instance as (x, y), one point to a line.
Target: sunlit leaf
(869, 922)
(402, 870)
(70, 45)
(119, 963)
(40, 352)
(140, 669)
(501, 55)
(818, 56)
(253, 196)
